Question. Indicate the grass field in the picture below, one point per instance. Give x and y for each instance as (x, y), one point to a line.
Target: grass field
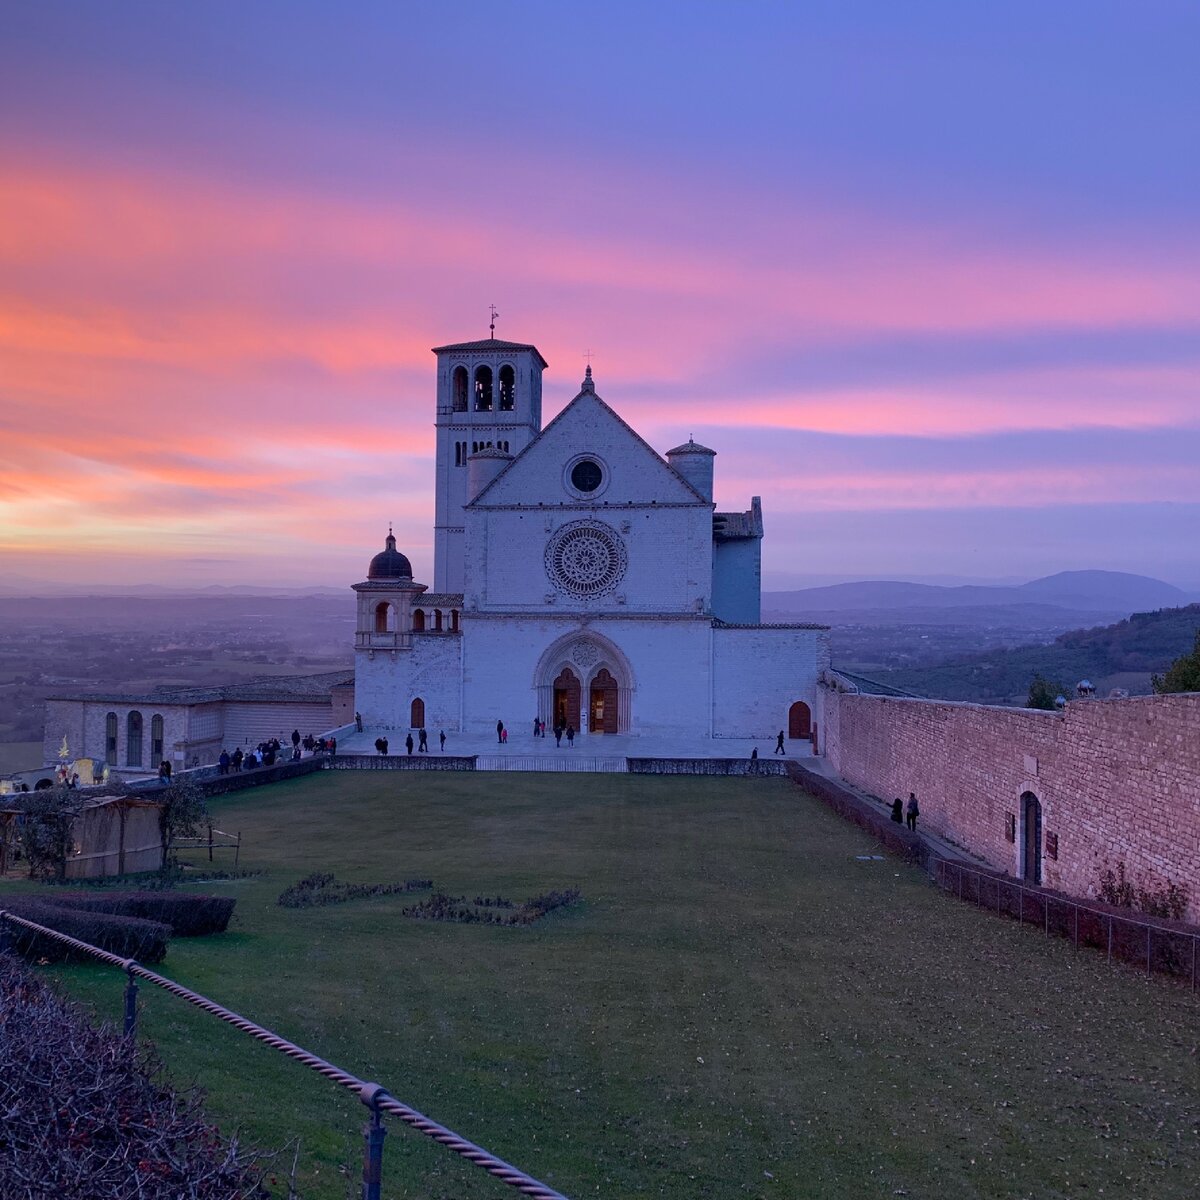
(739, 1007)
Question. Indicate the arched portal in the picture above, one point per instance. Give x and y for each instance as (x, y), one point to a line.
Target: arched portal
(1031, 840)
(417, 714)
(602, 703)
(601, 673)
(800, 720)
(567, 692)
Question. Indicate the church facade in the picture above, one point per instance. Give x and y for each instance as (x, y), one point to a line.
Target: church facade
(579, 577)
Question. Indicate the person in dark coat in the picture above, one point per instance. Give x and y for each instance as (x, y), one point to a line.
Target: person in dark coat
(358, 721)
(408, 743)
(500, 731)
(422, 742)
(236, 759)
(442, 738)
(558, 732)
(295, 737)
(570, 735)
(379, 745)
(913, 811)
(898, 811)
(779, 744)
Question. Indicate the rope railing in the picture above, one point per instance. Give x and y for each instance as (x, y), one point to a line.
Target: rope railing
(375, 1097)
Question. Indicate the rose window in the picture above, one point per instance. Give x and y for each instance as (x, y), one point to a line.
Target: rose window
(585, 558)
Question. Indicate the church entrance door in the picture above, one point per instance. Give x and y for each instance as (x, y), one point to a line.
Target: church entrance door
(603, 708)
(799, 720)
(567, 689)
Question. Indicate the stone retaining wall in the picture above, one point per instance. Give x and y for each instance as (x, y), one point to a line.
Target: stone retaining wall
(402, 762)
(706, 766)
(1117, 780)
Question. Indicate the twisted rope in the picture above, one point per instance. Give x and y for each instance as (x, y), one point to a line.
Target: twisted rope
(371, 1094)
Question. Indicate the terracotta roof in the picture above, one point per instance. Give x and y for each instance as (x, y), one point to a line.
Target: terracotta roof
(301, 688)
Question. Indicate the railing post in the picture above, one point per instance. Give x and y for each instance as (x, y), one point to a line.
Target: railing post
(374, 1132)
(131, 994)
(1110, 937)
(1149, 931)
(1076, 908)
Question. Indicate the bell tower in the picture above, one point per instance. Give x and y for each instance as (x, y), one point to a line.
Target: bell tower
(489, 396)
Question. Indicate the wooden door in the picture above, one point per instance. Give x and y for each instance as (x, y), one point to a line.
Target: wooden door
(799, 720)
(1032, 844)
(567, 690)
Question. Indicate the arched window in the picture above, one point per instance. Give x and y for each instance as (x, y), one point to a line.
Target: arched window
(133, 740)
(437, 620)
(418, 620)
(454, 620)
(418, 714)
(508, 388)
(385, 618)
(483, 389)
(110, 739)
(156, 738)
(458, 454)
(459, 389)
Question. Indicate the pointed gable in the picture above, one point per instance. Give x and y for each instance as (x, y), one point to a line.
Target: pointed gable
(634, 473)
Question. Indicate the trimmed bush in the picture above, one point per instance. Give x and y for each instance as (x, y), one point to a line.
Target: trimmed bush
(322, 888)
(128, 937)
(188, 915)
(86, 1113)
(491, 910)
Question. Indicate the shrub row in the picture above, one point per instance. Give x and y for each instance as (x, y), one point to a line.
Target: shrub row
(188, 915)
(86, 1114)
(322, 888)
(128, 937)
(487, 910)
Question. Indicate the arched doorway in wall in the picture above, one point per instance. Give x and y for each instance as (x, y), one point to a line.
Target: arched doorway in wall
(417, 714)
(602, 703)
(418, 620)
(800, 720)
(1031, 838)
(567, 692)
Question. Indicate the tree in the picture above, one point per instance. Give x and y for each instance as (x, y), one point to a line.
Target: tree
(47, 830)
(1183, 675)
(184, 813)
(1043, 693)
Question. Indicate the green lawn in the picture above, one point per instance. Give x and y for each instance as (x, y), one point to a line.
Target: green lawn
(739, 1008)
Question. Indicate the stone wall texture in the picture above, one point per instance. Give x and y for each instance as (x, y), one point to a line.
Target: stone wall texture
(1118, 780)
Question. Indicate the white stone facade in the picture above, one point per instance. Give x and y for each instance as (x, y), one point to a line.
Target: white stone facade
(580, 577)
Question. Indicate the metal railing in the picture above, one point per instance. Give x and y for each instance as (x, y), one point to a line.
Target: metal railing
(377, 1100)
(1159, 947)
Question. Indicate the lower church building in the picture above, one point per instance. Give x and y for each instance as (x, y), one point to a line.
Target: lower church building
(579, 577)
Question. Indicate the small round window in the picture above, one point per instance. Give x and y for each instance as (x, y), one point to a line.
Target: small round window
(586, 475)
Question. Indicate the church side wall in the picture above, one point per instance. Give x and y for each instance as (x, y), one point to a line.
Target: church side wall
(1118, 780)
(759, 672)
(83, 723)
(736, 595)
(248, 722)
(386, 685)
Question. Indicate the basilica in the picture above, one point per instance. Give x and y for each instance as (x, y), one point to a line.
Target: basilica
(579, 577)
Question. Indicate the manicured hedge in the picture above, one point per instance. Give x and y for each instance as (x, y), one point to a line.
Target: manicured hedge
(187, 914)
(86, 1113)
(129, 937)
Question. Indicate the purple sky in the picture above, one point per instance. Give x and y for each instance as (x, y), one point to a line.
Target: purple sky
(927, 276)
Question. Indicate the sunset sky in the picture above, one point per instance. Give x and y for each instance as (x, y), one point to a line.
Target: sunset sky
(926, 276)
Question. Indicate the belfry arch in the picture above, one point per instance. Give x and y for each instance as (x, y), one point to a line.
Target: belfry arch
(586, 675)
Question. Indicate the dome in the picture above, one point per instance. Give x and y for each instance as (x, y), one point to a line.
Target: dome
(389, 563)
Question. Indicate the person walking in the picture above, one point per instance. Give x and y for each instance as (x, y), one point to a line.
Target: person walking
(500, 731)
(295, 738)
(913, 811)
(570, 735)
(779, 744)
(358, 721)
(558, 732)
(408, 743)
(236, 758)
(423, 742)
(898, 811)
(537, 724)
(442, 736)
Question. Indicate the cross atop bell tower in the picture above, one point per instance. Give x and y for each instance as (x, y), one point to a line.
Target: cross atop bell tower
(489, 396)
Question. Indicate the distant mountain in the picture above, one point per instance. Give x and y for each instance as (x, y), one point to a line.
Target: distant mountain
(1106, 592)
(1124, 655)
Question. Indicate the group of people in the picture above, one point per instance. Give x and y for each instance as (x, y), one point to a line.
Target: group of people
(421, 745)
(906, 814)
(268, 753)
